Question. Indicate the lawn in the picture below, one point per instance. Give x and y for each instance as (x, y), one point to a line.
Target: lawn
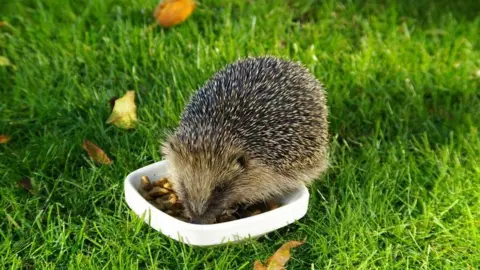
(403, 81)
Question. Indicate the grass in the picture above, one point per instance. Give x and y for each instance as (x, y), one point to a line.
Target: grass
(403, 191)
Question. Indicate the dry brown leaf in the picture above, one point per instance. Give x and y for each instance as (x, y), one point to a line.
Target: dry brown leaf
(4, 138)
(172, 12)
(278, 260)
(124, 113)
(26, 183)
(96, 153)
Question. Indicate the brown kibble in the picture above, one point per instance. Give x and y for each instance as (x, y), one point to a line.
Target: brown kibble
(161, 205)
(168, 185)
(178, 207)
(152, 202)
(145, 195)
(169, 212)
(158, 191)
(145, 180)
(181, 216)
(272, 205)
(172, 203)
(225, 218)
(146, 185)
(172, 198)
(161, 182)
(254, 213)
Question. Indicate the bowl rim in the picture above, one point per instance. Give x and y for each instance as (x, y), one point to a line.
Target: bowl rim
(301, 192)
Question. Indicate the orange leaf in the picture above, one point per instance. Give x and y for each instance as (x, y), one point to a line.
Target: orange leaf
(278, 260)
(172, 12)
(96, 153)
(257, 265)
(4, 139)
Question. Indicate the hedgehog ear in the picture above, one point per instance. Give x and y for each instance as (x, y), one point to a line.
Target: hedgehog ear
(240, 159)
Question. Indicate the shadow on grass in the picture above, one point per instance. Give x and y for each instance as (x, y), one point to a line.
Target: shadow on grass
(420, 10)
(437, 114)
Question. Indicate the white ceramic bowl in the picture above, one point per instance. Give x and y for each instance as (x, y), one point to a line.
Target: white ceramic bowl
(293, 208)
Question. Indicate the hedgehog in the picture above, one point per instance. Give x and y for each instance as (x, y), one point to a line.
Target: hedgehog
(256, 130)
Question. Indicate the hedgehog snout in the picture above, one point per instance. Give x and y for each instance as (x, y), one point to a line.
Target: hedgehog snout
(202, 220)
(197, 213)
(204, 213)
(205, 218)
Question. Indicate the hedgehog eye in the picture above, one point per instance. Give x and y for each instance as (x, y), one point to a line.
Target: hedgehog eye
(220, 189)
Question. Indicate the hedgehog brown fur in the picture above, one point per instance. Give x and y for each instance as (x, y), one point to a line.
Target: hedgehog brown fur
(257, 129)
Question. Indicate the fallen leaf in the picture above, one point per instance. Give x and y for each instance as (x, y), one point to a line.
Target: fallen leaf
(278, 260)
(4, 139)
(26, 183)
(172, 12)
(258, 266)
(112, 101)
(96, 153)
(5, 61)
(124, 113)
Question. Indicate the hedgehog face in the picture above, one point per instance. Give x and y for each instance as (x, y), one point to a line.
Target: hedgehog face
(206, 181)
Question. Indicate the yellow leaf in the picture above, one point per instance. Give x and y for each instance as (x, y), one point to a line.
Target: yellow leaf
(124, 113)
(5, 61)
(96, 153)
(172, 12)
(278, 260)
(4, 139)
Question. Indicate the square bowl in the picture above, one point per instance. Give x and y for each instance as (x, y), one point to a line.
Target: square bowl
(293, 207)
